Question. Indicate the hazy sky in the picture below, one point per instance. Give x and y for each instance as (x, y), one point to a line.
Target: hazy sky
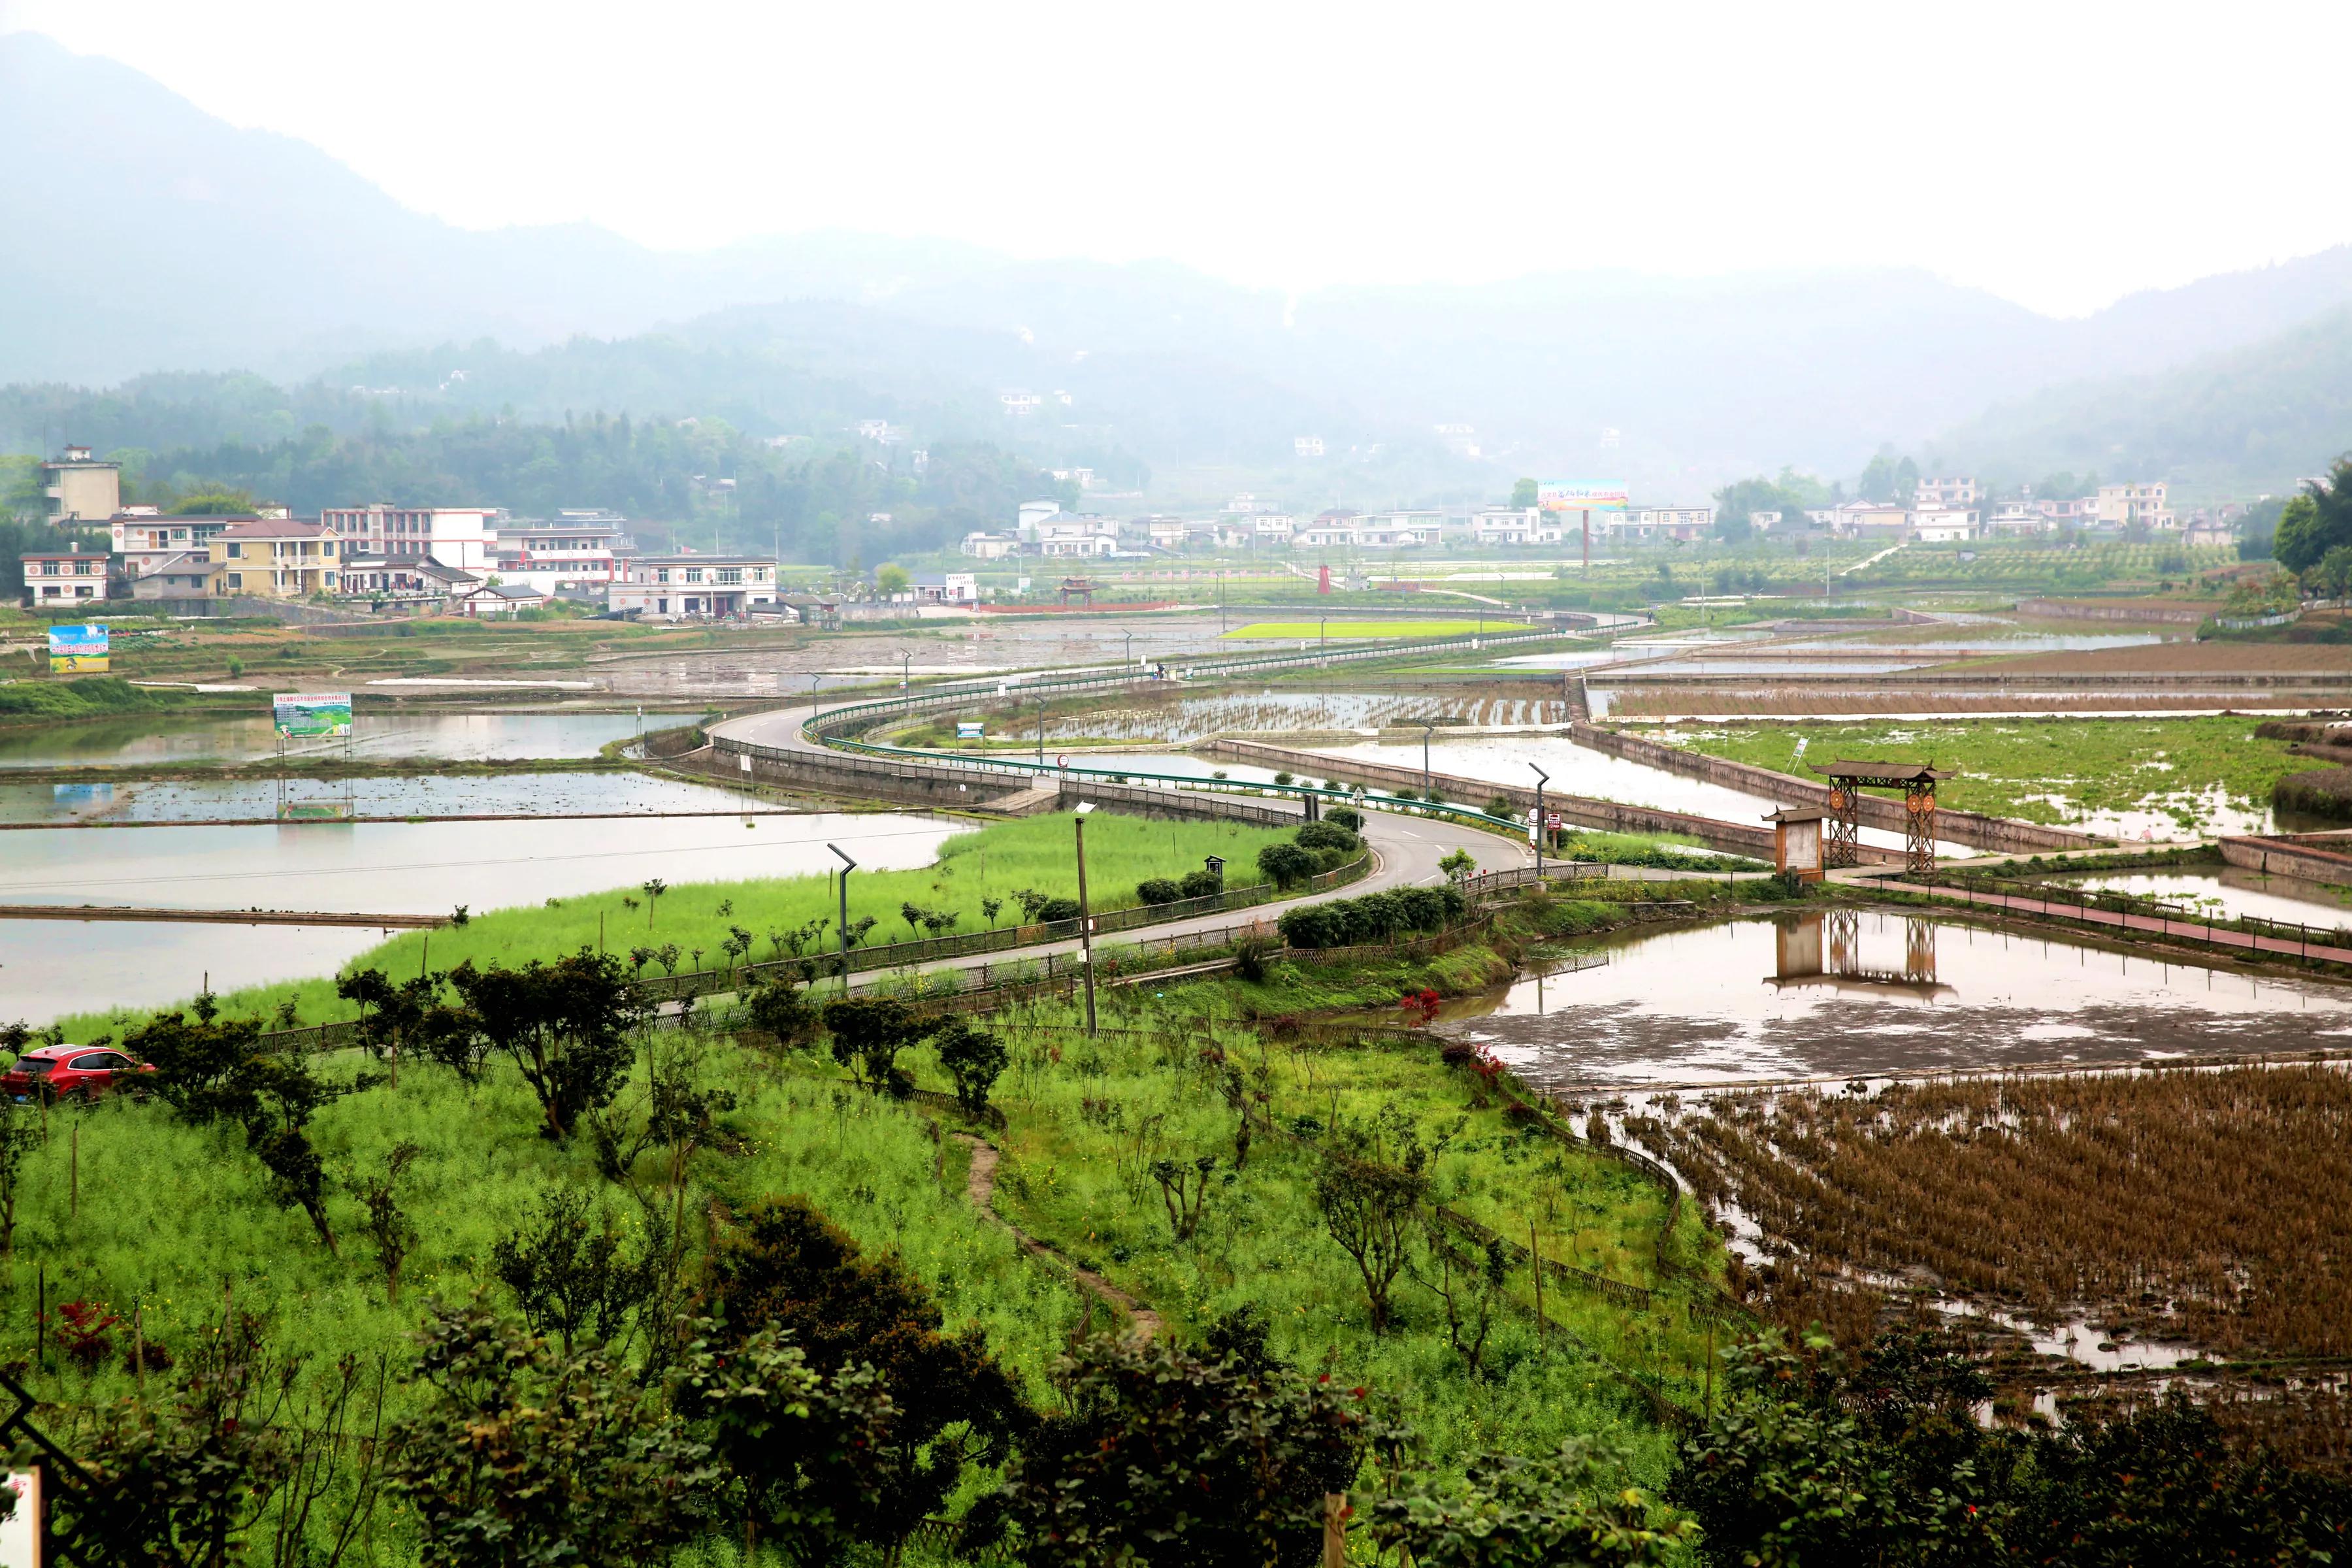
(2058, 153)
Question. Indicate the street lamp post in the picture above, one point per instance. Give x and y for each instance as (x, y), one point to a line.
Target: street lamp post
(1130, 659)
(906, 672)
(842, 928)
(1041, 729)
(1425, 728)
(1085, 919)
(1323, 635)
(1542, 778)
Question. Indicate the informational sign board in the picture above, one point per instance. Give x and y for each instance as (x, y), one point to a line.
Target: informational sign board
(73, 648)
(304, 713)
(20, 1532)
(1575, 495)
(968, 731)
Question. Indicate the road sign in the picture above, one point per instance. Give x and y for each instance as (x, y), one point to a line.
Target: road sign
(77, 648)
(306, 713)
(1583, 495)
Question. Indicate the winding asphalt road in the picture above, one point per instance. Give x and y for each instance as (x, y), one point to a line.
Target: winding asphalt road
(1408, 849)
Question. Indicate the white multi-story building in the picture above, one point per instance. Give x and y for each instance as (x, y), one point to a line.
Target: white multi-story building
(1032, 515)
(458, 536)
(1306, 445)
(144, 541)
(1077, 535)
(1504, 526)
(575, 550)
(2120, 506)
(2020, 519)
(1654, 522)
(1943, 524)
(1262, 527)
(1934, 494)
(990, 546)
(673, 587)
(80, 488)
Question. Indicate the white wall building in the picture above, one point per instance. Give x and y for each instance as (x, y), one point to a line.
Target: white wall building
(1938, 493)
(1503, 527)
(990, 546)
(577, 550)
(458, 536)
(675, 587)
(1943, 524)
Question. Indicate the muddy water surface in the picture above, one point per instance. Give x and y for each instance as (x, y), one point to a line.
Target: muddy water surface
(1863, 992)
(458, 736)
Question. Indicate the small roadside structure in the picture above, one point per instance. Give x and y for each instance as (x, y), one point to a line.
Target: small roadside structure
(1842, 845)
(1797, 842)
(500, 599)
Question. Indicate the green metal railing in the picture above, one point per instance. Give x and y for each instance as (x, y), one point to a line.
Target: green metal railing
(835, 728)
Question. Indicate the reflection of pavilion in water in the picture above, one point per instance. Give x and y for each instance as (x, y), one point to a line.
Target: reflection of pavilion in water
(1825, 949)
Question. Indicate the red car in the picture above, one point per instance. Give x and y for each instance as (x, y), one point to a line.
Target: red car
(63, 1072)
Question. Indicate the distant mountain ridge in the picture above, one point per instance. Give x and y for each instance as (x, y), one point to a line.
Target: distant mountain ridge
(170, 240)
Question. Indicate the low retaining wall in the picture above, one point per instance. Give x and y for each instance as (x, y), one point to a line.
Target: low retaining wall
(2121, 610)
(2002, 833)
(2308, 856)
(1607, 815)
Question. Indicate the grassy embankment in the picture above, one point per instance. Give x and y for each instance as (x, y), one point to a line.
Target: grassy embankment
(140, 1211)
(997, 861)
(2057, 770)
(1310, 631)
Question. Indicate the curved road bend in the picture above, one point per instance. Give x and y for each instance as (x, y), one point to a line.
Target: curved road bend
(1409, 848)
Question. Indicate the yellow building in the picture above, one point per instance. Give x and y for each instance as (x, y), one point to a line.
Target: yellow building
(277, 558)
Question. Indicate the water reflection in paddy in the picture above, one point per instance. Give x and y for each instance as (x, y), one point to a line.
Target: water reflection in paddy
(1851, 993)
(2230, 891)
(458, 736)
(163, 801)
(430, 868)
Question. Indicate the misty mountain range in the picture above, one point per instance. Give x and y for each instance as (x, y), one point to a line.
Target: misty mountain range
(154, 238)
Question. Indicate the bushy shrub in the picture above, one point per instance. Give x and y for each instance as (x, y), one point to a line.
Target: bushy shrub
(1346, 816)
(1158, 891)
(1375, 917)
(1327, 836)
(1201, 884)
(1057, 909)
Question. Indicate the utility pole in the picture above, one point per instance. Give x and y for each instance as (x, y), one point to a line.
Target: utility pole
(842, 929)
(1425, 728)
(1085, 919)
(1542, 778)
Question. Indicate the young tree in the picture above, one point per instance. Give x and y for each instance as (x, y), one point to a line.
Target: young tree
(784, 1010)
(1286, 865)
(568, 1276)
(653, 888)
(868, 1033)
(1164, 1459)
(785, 1267)
(564, 1024)
(794, 1453)
(20, 1134)
(973, 1058)
(522, 1455)
(1368, 1209)
(387, 1224)
(1569, 1510)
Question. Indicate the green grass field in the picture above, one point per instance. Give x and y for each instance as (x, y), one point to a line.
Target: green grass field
(1309, 631)
(996, 861)
(126, 1206)
(2046, 770)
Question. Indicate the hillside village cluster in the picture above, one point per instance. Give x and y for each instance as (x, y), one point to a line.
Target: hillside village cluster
(478, 561)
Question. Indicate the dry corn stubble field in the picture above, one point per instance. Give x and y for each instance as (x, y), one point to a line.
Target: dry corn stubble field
(2210, 1208)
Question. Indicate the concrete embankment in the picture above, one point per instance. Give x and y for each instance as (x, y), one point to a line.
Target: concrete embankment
(2313, 856)
(2002, 834)
(1606, 816)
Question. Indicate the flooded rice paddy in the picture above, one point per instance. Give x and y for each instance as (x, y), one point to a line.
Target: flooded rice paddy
(150, 742)
(49, 968)
(1857, 992)
(2231, 892)
(513, 794)
(430, 868)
